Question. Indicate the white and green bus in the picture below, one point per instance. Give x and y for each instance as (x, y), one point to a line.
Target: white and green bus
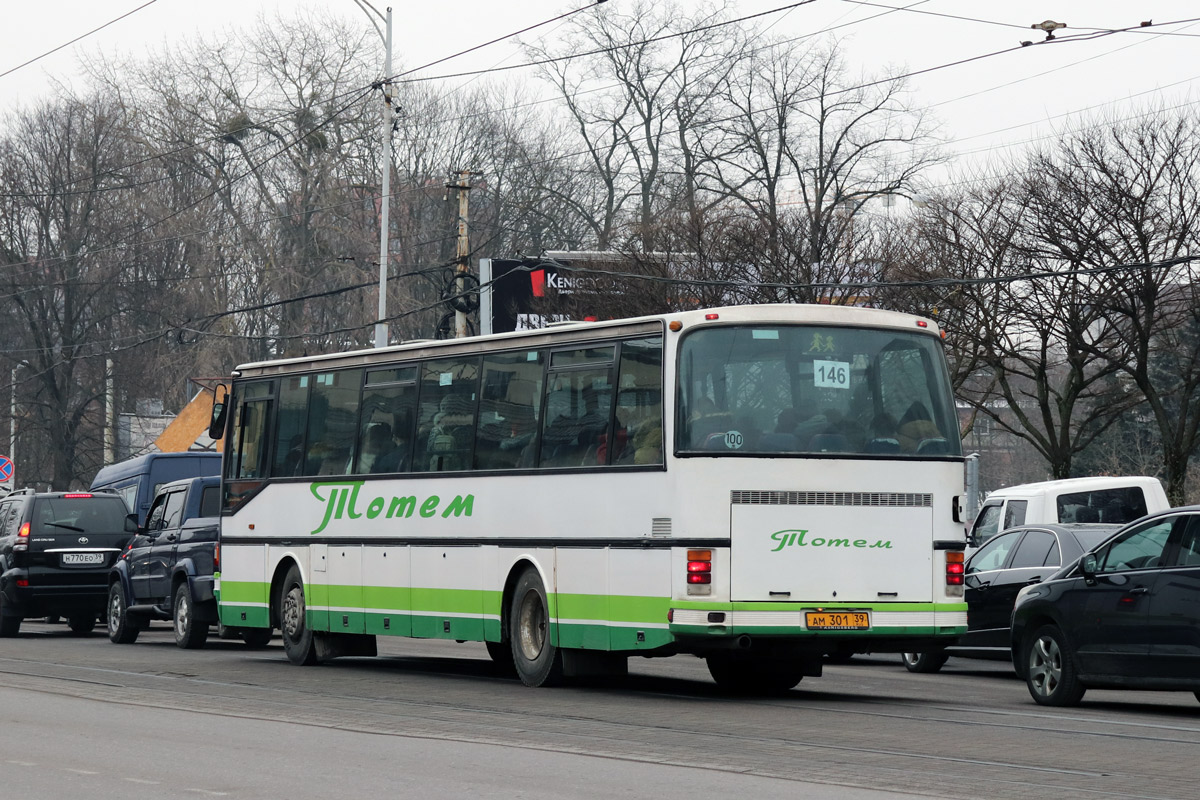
(760, 486)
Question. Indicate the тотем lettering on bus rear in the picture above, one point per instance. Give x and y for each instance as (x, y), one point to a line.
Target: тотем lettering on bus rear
(794, 537)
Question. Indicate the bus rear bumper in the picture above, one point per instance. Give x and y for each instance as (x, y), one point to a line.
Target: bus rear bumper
(886, 630)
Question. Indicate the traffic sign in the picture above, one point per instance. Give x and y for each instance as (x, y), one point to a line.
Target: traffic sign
(6, 474)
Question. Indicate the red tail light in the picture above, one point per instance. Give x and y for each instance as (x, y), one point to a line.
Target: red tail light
(22, 543)
(699, 567)
(77, 494)
(955, 571)
(217, 558)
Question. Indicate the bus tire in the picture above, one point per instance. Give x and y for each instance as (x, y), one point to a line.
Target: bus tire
(536, 660)
(298, 640)
(742, 674)
(189, 634)
(121, 629)
(256, 638)
(923, 662)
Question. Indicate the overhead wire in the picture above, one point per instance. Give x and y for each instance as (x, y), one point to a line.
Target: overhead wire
(35, 59)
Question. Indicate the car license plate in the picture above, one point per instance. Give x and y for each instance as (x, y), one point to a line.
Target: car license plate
(76, 559)
(837, 620)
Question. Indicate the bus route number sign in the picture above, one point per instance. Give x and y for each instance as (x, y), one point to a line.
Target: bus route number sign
(831, 374)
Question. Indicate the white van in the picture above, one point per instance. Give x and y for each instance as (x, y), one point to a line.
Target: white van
(1111, 501)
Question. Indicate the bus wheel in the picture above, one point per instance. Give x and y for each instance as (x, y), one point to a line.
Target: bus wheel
(537, 661)
(297, 638)
(502, 656)
(749, 675)
(923, 662)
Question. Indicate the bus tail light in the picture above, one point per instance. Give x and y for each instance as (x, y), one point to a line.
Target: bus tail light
(955, 571)
(217, 558)
(22, 543)
(699, 571)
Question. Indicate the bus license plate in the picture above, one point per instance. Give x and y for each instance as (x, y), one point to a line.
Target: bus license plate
(82, 558)
(837, 620)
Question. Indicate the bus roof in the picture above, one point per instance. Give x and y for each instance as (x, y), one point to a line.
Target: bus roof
(784, 313)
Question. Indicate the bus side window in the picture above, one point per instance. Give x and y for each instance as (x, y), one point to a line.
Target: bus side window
(332, 422)
(579, 400)
(638, 435)
(509, 410)
(449, 394)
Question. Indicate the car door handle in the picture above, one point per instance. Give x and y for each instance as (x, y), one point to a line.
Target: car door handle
(1033, 580)
(171, 537)
(1138, 590)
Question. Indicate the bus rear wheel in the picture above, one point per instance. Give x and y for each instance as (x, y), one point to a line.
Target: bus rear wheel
(537, 661)
(298, 640)
(745, 674)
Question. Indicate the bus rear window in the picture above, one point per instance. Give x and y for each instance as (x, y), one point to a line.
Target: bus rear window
(809, 390)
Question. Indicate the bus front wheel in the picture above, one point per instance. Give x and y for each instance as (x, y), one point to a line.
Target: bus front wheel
(537, 661)
(297, 637)
(735, 672)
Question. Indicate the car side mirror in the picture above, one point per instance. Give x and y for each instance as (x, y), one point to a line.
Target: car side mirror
(131, 523)
(1087, 565)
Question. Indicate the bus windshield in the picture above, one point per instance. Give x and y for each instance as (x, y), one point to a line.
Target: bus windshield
(812, 390)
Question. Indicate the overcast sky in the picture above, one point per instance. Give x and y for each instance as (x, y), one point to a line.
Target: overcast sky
(1005, 99)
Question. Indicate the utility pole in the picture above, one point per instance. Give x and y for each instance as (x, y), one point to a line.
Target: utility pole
(463, 267)
(381, 326)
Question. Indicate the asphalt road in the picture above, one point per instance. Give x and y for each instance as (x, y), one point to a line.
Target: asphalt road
(83, 717)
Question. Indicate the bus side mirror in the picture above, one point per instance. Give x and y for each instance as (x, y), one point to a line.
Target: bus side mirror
(1087, 565)
(220, 410)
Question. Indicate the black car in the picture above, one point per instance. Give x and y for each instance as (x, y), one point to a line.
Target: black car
(1009, 562)
(56, 549)
(1126, 616)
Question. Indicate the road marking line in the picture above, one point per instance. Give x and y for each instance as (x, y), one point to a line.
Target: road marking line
(81, 771)
(142, 780)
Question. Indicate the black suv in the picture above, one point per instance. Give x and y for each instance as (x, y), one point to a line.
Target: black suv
(56, 549)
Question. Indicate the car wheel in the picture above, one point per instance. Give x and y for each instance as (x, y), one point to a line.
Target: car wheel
(256, 638)
(120, 628)
(9, 626)
(1050, 668)
(189, 634)
(82, 623)
(297, 637)
(923, 662)
(537, 661)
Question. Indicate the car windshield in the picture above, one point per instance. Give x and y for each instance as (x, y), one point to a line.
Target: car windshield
(806, 389)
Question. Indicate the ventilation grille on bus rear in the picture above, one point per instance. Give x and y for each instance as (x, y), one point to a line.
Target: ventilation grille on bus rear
(660, 526)
(890, 499)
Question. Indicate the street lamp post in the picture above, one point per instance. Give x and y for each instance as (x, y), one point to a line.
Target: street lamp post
(381, 326)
